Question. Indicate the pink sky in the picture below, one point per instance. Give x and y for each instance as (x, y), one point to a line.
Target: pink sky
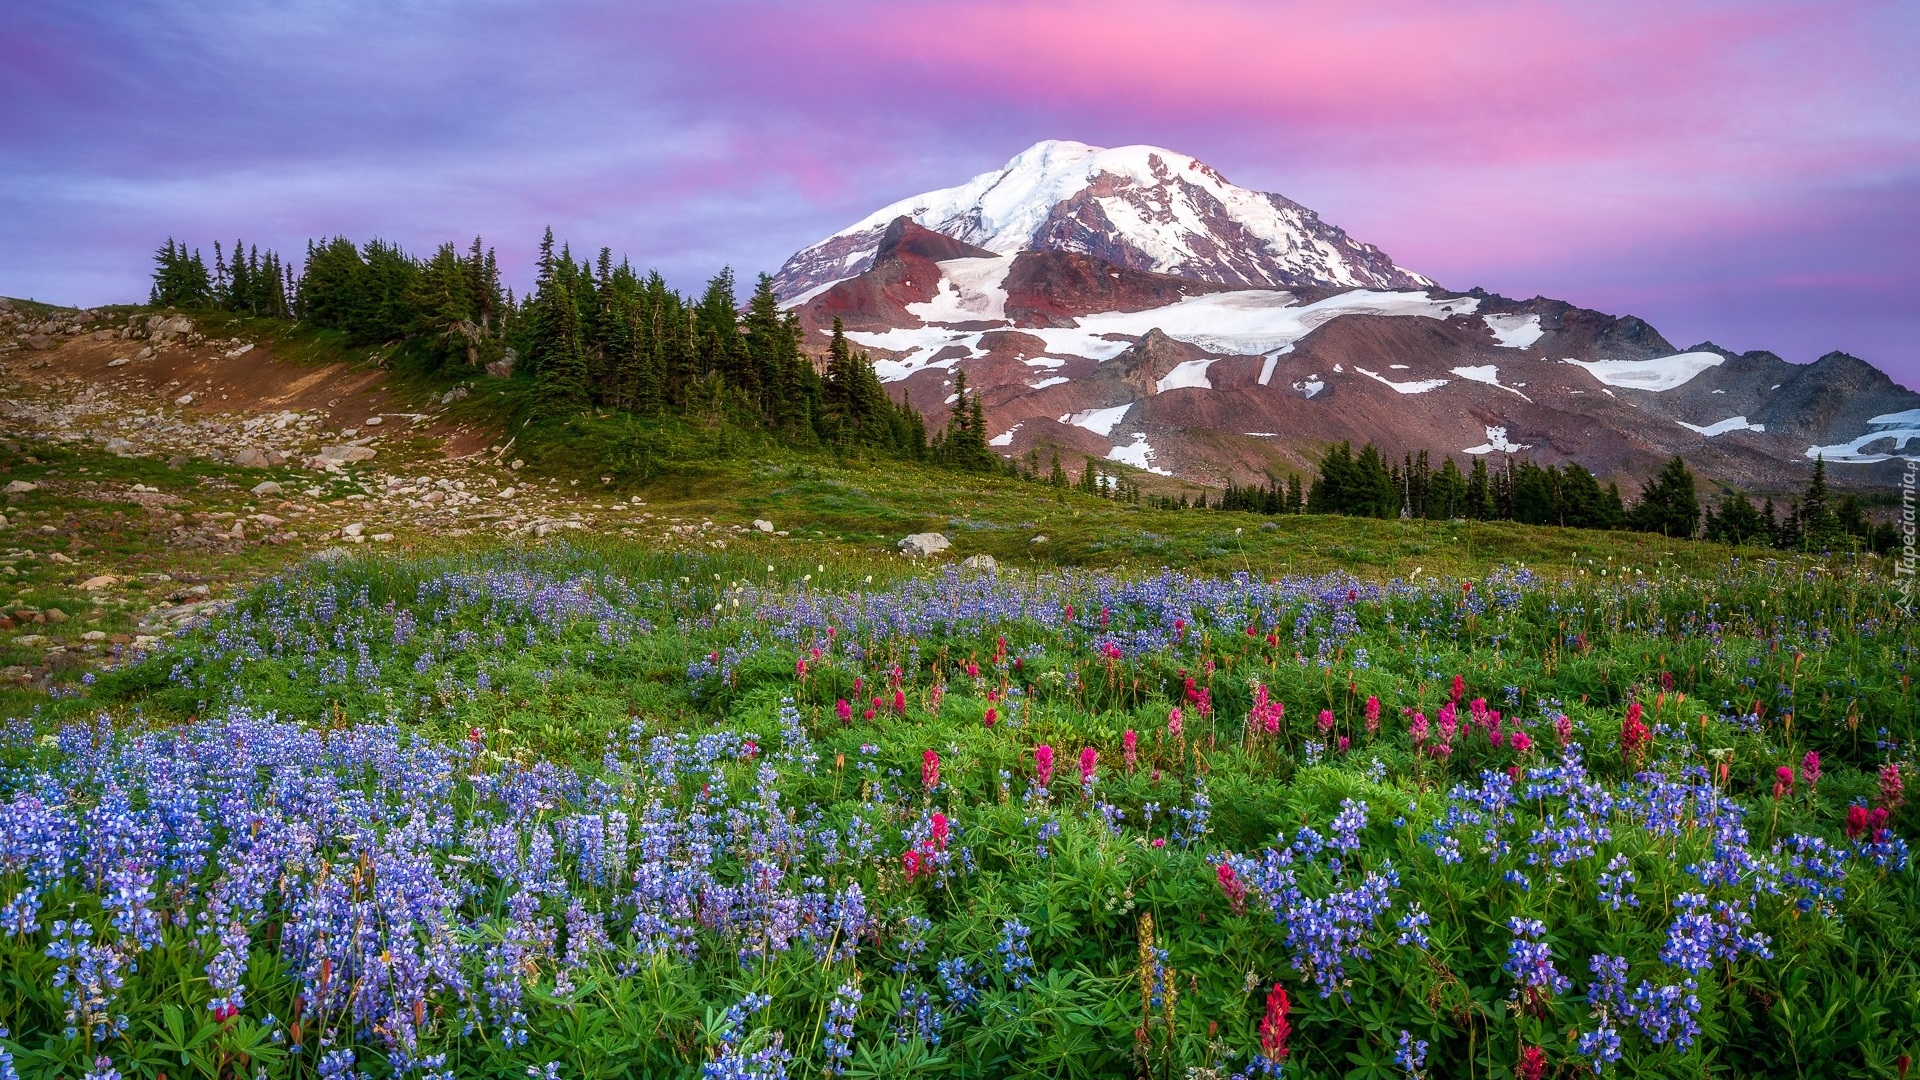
(1745, 172)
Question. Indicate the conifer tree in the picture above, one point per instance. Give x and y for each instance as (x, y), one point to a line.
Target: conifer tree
(1738, 522)
(1815, 516)
(555, 358)
(1480, 501)
(1668, 505)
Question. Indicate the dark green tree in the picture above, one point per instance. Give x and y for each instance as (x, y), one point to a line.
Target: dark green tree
(1668, 505)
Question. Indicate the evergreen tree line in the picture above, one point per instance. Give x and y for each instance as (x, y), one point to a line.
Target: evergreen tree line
(250, 283)
(1367, 485)
(590, 335)
(1815, 521)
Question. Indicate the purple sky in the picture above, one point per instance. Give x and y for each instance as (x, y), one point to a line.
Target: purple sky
(1745, 171)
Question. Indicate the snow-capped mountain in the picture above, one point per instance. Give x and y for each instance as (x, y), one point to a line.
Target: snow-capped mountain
(1078, 355)
(1139, 207)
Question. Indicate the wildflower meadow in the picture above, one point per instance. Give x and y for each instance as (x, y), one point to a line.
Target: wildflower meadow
(578, 814)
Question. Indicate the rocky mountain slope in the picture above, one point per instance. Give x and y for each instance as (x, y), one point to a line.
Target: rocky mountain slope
(1209, 379)
(1137, 207)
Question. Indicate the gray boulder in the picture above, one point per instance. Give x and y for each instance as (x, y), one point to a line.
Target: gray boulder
(924, 545)
(345, 455)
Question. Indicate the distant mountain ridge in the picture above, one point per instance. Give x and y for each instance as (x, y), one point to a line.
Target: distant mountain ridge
(1104, 307)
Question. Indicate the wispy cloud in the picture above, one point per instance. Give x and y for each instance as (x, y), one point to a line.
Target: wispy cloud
(1744, 171)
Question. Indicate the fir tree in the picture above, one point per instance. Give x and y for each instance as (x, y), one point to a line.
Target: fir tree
(555, 358)
(1668, 505)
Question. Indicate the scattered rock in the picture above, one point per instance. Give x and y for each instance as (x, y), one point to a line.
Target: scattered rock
(251, 458)
(980, 562)
(54, 556)
(503, 367)
(30, 639)
(120, 447)
(94, 636)
(37, 341)
(924, 545)
(119, 362)
(354, 529)
(375, 421)
(101, 581)
(21, 487)
(161, 328)
(345, 455)
(763, 525)
(1038, 540)
(183, 400)
(381, 538)
(458, 393)
(55, 615)
(267, 487)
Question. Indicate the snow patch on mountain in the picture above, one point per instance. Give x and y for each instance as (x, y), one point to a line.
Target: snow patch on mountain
(969, 290)
(1247, 322)
(1897, 429)
(1188, 374)
(1098, 421)
(1005, 438)
(1137, 454)
(1497, 440)
(1489, 374)
(1418, 386)
(1721, 427)
(1659, 373)
(1515, 331)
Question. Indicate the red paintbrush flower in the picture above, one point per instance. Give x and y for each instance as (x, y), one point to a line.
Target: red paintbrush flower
(1274, 1028)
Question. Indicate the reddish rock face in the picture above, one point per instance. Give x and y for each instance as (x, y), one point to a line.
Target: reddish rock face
(905, 271)
(1051, 288)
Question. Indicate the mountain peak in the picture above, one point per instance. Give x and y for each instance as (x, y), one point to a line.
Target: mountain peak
(1142, 207)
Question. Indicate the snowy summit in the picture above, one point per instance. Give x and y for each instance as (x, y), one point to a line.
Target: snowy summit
(1136, 206)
